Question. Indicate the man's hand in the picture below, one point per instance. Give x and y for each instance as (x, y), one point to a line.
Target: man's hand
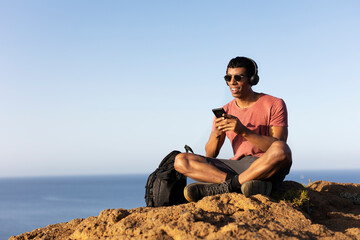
(229, 123)
(232, 123)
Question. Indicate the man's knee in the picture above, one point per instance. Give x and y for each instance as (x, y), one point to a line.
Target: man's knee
(181, 162)
(280, 154)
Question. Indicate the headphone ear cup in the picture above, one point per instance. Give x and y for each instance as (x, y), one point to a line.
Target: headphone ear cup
(254, 80)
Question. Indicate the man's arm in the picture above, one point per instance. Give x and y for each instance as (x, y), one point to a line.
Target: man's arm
(213, 146)
(231, 123)
(264, 142)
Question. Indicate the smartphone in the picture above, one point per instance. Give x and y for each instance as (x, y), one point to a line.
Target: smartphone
(218, 112)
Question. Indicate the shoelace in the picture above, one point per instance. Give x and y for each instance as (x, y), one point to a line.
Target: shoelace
(213, 189)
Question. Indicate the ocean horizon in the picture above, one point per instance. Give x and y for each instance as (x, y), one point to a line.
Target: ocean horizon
(27, 203)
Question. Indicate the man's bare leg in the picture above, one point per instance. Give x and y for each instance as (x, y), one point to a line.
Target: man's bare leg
(196, 167)
(276, 157)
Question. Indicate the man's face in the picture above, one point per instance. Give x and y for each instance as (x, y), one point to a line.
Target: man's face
(239, 88)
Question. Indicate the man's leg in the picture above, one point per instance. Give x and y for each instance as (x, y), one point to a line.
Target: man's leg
(196, 167)
(269, 169)
(277, 157)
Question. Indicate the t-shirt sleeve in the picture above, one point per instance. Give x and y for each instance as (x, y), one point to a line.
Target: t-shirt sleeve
(279, 115)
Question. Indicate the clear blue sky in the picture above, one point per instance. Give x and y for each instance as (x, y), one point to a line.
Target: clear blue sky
(108, 87)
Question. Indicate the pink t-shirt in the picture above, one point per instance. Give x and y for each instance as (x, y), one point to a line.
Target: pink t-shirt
(266, 112)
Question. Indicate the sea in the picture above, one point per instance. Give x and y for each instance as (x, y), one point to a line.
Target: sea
(28, 203)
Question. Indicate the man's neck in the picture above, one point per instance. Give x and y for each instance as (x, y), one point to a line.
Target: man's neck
(248, 100)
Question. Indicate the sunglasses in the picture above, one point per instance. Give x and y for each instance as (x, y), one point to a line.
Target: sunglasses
(237, 78)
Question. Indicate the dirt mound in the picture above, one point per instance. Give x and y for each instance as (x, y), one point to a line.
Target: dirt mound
(321, 210)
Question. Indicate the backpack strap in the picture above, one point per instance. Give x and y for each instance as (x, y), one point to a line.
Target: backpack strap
(188, 149)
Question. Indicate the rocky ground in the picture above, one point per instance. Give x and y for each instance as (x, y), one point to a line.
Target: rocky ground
(322, 210)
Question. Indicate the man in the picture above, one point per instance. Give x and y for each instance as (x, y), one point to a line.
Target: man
(256, 125)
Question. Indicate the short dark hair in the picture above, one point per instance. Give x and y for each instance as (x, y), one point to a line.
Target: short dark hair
(242, 62)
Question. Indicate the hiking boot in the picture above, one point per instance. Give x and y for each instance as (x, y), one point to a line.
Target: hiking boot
(196, 191)
(254, 187)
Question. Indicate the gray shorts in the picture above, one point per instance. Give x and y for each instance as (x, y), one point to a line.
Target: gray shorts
(238, 166)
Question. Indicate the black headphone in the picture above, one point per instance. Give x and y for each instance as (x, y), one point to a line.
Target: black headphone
(254, 79)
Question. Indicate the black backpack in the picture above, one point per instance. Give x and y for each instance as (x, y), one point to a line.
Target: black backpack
(165, 186)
